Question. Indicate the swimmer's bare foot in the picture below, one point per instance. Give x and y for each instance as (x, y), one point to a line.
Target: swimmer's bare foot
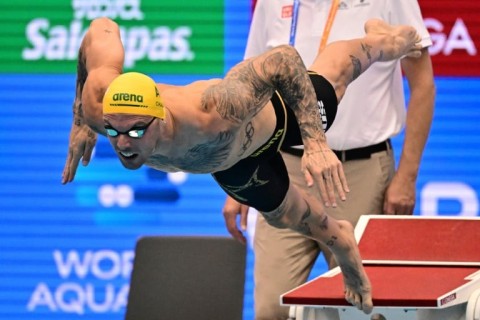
(402, 40)
(358, 290)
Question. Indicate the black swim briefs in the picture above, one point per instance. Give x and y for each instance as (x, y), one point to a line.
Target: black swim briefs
(261, 180)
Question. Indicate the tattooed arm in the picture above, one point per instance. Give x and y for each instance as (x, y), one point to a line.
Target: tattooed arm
(248, 87)
(82, 138)
(100, 60)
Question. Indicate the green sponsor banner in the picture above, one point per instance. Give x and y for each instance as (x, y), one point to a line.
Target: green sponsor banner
(159, 36)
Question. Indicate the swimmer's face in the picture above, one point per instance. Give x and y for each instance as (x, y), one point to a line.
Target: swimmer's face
(132, 137)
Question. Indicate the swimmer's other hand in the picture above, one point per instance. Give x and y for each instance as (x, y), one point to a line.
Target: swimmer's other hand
(80, 146)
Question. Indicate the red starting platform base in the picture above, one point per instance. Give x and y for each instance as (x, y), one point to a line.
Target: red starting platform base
(420, 268)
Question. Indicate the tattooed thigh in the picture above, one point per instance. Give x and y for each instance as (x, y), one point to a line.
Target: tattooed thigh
(275, 218)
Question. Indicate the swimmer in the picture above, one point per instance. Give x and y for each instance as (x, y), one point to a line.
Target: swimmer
(233, 128)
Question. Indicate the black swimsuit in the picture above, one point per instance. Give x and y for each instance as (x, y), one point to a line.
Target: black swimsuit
(261, 180)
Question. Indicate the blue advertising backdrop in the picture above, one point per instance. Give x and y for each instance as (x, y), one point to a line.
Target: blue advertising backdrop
(66, 252)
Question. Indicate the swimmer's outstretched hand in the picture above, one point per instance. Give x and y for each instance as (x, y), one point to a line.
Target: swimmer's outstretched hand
(80, 146)
(322, 168)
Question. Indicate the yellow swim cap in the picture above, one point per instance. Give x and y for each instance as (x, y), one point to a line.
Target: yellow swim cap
(133, 93)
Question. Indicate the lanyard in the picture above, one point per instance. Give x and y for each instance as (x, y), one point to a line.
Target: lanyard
(328, 24)
(293, 26)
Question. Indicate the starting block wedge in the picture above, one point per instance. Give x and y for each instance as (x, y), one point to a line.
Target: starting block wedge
(417, 266)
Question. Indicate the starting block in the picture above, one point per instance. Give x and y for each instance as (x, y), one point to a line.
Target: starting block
(415, 264)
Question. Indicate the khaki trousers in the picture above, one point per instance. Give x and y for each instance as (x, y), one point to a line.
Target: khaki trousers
(284, 259)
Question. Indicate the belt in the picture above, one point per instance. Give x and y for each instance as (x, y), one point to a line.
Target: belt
(351, 154)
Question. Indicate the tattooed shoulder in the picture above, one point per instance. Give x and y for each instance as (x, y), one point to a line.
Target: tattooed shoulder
(240, 95)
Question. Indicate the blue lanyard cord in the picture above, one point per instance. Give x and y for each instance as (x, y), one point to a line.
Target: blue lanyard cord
(293, 26)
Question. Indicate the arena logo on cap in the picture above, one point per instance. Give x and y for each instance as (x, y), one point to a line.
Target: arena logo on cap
(128, 97)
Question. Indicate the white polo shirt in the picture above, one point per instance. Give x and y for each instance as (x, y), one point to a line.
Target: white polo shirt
(373, 108)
